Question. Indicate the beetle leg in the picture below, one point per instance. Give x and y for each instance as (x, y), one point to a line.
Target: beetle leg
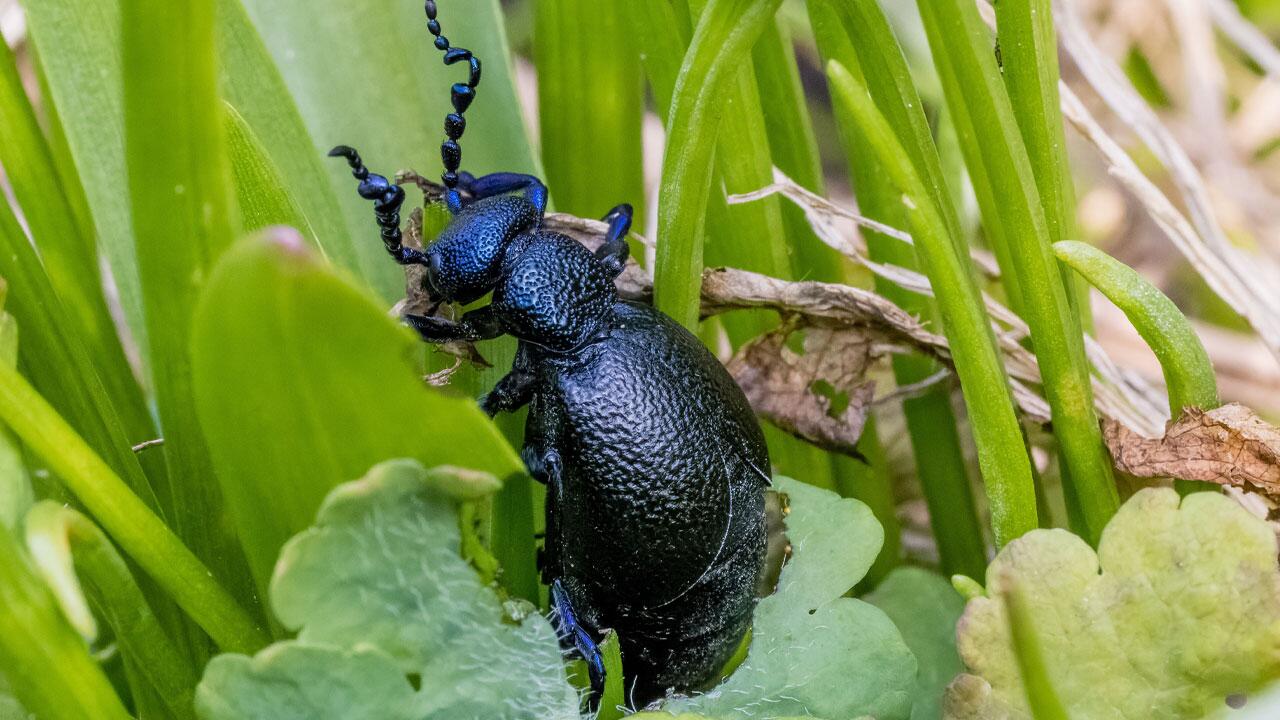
(503, 183)
(613, 252)
(514, 390)
(479, 324)
(569, 631)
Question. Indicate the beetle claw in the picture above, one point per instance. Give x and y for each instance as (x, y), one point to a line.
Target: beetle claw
(569, 631)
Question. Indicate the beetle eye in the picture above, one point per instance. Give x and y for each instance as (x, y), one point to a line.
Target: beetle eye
(432, 276)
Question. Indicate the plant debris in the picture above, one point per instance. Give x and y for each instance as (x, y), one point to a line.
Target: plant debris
(1229, 445)
(822, 395)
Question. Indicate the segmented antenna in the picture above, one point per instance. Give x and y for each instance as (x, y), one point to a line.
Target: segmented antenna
(462, 95)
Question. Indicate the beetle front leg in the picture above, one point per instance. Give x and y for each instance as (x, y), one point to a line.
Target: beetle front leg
(476, 325)
(614, 250)
(501, 183)
(514, 390)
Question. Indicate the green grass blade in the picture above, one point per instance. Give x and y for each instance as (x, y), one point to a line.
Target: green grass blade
(1188, 373)
(45, 661)
(310, 401)
(590, 105)
(142, 535)
(182, 209)
(1029, 52)
(1041, 697)
(252, 84)
(387, 95)
(794, 150)
(63, 543)
(725, 32)
(1002, 457)
(261, 193)
(931, 421)
(78, 43)
(961, 46)
(56, 361)
(67, 247)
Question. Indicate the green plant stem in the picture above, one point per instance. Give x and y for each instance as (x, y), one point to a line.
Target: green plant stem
(59, 538)
(1029, 50)
(1041, 697)
(960, 46)
(794, 150)
(590, 105)
(139, 532)
(1188, 372)
(45, 661)
(1002, 457)
(723, 38)
(931, 421)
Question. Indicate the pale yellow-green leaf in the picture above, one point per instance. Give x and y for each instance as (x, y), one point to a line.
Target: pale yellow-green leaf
(1178, 609)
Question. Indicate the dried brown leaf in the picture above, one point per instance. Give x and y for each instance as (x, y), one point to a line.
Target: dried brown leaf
(822, 395)
(1229, 445)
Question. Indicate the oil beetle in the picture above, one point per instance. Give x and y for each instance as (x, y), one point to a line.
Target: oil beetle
(655, 466)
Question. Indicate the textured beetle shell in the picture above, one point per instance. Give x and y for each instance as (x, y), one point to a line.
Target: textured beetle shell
(657, 527)
(660, 533)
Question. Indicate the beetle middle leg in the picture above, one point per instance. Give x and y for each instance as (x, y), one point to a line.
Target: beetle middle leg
(514, 390)
(569, 631)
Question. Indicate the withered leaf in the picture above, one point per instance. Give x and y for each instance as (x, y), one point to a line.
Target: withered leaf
(821, 396)
(1229, 445)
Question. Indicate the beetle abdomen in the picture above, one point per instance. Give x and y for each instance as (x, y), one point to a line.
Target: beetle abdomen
(666, 467)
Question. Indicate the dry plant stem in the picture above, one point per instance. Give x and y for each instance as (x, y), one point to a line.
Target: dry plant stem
(1226, 15)
(139, 532)
(1002, 456)
(1232, 278)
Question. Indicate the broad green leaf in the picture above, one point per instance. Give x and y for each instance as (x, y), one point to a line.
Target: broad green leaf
(381, 570)
(925, 609)
(297, 681)
(303, 381)
(814, 652)
(368, 76)
(10, 708)
(1178, 609)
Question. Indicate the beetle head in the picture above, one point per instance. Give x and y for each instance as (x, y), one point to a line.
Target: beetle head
(465, 261)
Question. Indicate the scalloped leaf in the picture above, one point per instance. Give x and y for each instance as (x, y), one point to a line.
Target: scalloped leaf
(925, 608)
(377, 591)
(1178, 609)
(814, 652)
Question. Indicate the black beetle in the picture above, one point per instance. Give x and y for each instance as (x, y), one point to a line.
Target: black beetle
(655, 466)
